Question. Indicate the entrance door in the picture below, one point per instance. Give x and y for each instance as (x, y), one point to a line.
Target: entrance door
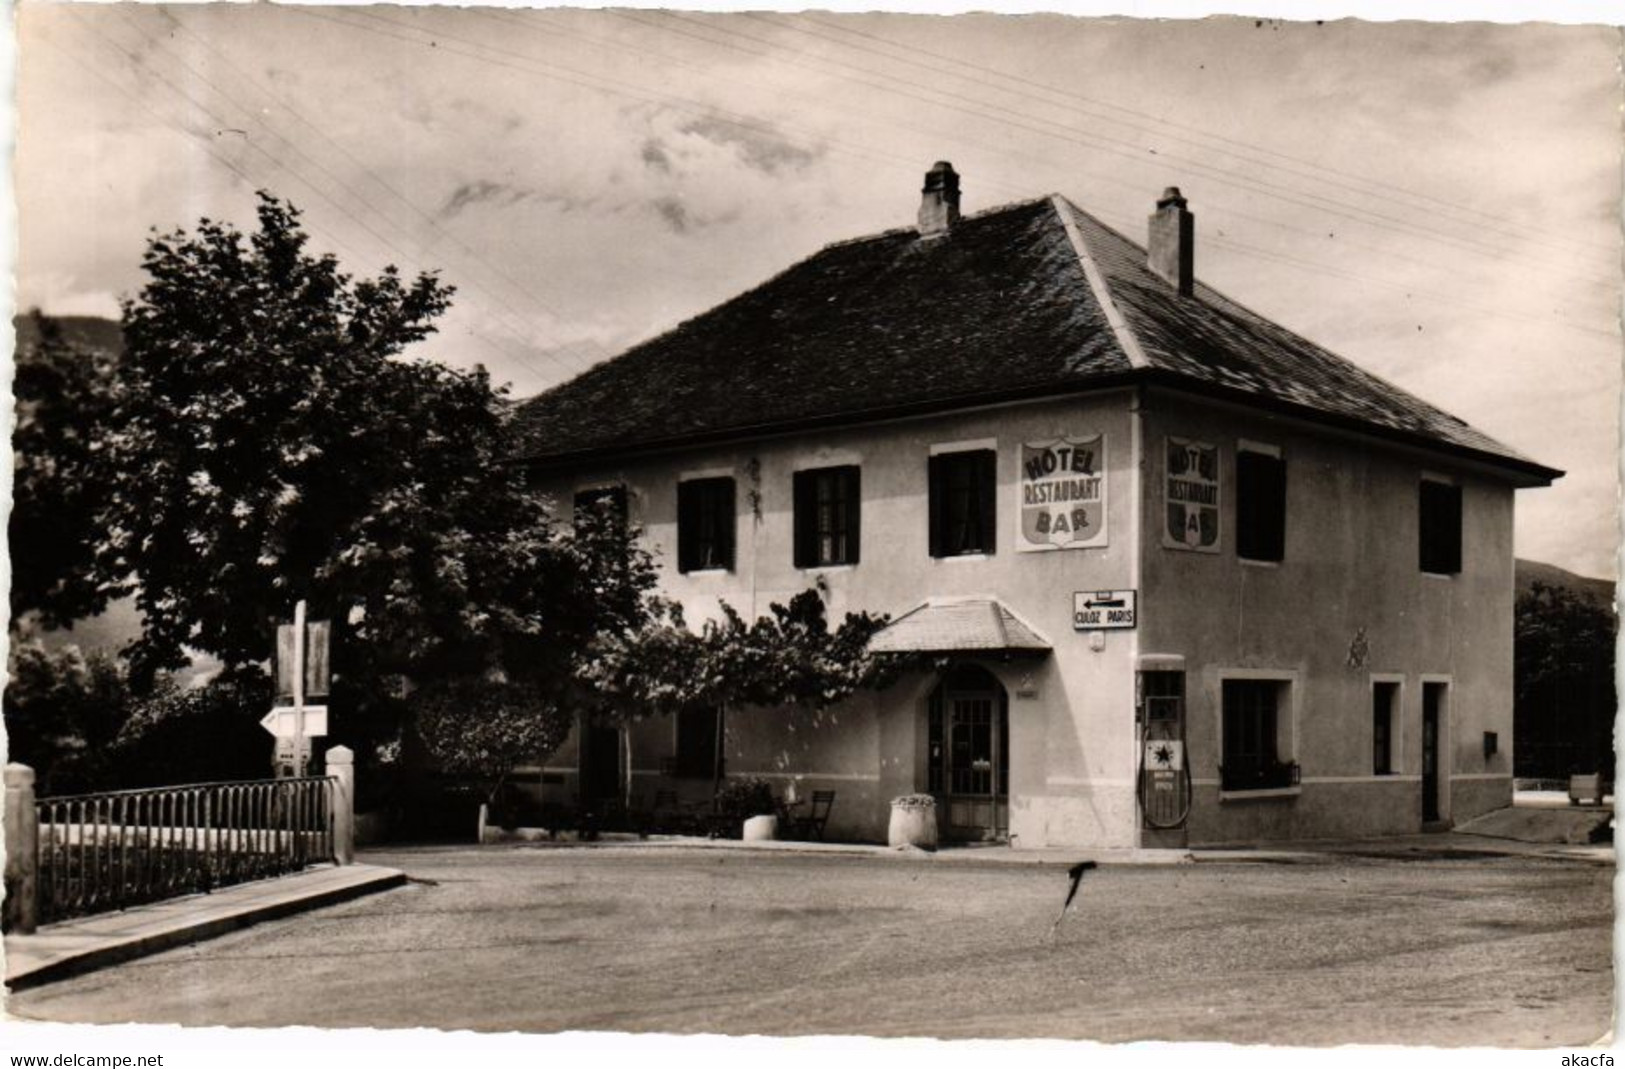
(970, 755)
(601, 783)
(1432, 700)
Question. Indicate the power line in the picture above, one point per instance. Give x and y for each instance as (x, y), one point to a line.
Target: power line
(1217, 210)
(1089, 139)
(756, 125)
(1531, 230)
(519, 355)
(428, 219)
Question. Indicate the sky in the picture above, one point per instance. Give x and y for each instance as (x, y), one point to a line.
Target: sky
(1439, 203)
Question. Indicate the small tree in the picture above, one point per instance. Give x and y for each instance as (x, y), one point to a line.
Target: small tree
(483, 729)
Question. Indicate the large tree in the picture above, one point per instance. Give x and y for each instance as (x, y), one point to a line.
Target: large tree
(65, 393)
(1564, 701)
(275, 443)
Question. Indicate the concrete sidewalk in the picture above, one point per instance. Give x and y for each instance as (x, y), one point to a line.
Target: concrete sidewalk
(84, 943)
(956, 854)
(1436, 845)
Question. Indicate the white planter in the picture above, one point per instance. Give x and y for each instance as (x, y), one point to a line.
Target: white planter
(913, 826)
(761, 829)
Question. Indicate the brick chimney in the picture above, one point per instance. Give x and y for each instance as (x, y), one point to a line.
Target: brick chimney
(939, 202)
(1171, 248)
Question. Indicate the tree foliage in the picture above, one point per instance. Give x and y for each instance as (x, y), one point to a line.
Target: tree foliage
(65, 395)
(191, 734)
(482, 728)
(789, 656)
(1564, 700)
(1560, 634)
(63, 710)
(273, 444)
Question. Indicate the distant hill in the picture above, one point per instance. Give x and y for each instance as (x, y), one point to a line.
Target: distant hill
(1528, 572)
(93, 332)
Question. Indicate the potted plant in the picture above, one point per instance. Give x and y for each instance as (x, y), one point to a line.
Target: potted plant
(913, 821)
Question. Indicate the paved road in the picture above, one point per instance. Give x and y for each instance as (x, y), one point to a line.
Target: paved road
(1496, 951)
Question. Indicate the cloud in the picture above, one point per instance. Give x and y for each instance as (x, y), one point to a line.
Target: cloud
(765, 152)
(672, 213)
(480, 192)
(654, 156)
(501, 194)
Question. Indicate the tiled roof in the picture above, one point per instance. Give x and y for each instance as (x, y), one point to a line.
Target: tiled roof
(959, 625)
(1001, 308)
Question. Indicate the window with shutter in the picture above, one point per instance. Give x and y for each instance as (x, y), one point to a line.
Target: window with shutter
(827, 503)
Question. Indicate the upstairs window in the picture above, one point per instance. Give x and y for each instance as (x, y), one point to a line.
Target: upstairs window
(607, 501)
(962, 506)
(705, 524)
(1439, 527)
(826, 517)
(1260, 505)
(696, 743)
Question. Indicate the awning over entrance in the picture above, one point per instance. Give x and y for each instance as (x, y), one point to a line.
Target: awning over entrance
(960, 625)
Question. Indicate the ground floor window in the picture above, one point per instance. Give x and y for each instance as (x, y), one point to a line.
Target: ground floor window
(1253, 755)
(1384, 698)
(697, 743)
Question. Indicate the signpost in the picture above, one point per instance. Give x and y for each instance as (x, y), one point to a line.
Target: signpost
(301, 672)
(1103, 610)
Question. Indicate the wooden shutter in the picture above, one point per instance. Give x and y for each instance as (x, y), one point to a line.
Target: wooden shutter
(937, 502)
(805, 520)
(852, 488)
(1274, 506)
(726, 519)
(1450, 536)
(688, 516)
(987, 498)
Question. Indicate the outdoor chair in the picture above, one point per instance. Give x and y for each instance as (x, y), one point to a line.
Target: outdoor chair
(812, 825)
(666, 815)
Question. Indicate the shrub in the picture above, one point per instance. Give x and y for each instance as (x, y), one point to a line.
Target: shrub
(743, 798)
(914, 801)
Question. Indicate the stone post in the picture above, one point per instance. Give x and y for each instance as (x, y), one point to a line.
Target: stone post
(22, 851)
(341, 766)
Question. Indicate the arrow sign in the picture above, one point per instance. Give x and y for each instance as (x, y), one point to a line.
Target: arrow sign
(283, 721)
(1103, 610)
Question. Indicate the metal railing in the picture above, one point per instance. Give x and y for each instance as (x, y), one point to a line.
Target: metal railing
(107, 851)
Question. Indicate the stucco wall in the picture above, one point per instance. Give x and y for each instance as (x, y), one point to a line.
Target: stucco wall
(1071, 730)
(1350, 569)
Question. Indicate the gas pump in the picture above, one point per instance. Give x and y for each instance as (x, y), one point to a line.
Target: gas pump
(1165, 778)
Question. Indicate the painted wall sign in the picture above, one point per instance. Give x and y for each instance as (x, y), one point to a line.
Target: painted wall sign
(1103, 610)
(1191, 494)
(1063, 494)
